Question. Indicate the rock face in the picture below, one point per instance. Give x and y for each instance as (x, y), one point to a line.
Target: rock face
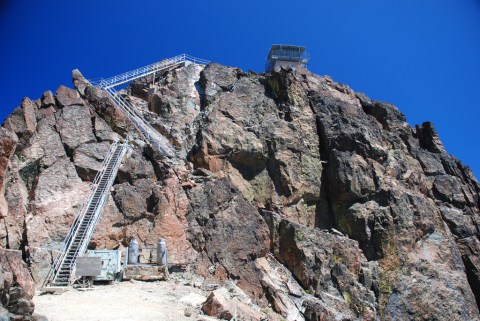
(315, 200)
(16, 288)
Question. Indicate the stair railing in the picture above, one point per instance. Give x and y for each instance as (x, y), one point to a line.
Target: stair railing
(80, 217)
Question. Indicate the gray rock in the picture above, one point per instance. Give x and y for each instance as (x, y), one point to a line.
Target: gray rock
(67, 97)
(88, 159)
(80, 82)
(136, 167)
(23, 121)
(429, 139)
(48, 99)
(448, 188)
(323, 263)
(75, 127)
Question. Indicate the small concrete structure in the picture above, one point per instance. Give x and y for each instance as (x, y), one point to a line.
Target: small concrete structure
(145, 272)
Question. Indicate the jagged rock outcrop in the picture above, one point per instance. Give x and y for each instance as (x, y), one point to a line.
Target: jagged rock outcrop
(16, 288)
(314, 199)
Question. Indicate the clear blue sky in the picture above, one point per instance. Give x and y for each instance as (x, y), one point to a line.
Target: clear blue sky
(423, 56)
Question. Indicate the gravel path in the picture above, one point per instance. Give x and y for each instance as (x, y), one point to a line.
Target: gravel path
(124, 301)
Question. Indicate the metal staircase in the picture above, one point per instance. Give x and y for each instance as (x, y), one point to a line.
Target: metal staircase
(147, 70)
(83, 226)
(149, 134)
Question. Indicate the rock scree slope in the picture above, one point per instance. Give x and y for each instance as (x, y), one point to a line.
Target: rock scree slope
(314, 199)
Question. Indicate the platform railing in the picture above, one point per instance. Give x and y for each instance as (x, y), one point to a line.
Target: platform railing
(146, 71)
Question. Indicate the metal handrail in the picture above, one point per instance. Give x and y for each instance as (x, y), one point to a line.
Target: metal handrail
(146, 70)
(95, 212)
(78, 218)
(142, 126)
(107, 170)
(132, 73)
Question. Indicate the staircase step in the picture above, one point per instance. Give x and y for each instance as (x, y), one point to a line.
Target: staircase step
(83, 228)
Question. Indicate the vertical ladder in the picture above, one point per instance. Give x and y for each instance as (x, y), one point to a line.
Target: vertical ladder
(83, 226)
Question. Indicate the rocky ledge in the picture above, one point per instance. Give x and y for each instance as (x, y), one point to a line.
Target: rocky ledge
(318, 202)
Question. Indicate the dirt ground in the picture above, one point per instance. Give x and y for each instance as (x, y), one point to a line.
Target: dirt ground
(129, 300)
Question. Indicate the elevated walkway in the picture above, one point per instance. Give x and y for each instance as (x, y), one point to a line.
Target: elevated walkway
(148, 133)
(129, 76)
(83, 226)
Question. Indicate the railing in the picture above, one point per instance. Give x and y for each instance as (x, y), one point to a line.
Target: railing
(143, 127)
(78, 218)
(59, 260)
(104, 194)
(147, 70)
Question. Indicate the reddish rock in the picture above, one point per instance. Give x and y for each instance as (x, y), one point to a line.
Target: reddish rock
(79, 82)
(74, 125)
(11, 262)
(326, 264)
(47, 99)
(229, 230)
(23, 121)
(16, 195)
(8, 142)
(171, 223)
(16, 287)
(224, 304)
(281, 287)
(67, 97)
(102, 104)
(372, 215)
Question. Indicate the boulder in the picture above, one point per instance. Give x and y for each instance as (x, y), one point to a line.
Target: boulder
(80, 82)
(88, 159)
(67, 97)
(228, 305)
(47, 99)
(16, 287)
(74, 125)
(22, 121)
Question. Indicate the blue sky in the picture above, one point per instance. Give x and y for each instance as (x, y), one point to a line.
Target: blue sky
(422, 56)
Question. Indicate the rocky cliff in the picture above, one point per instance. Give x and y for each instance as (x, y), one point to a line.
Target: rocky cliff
(316, 200)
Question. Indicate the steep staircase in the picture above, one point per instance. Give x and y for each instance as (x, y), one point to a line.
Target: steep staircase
(147, 70)
(80, 233)
(148, 133)
(82, 228)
